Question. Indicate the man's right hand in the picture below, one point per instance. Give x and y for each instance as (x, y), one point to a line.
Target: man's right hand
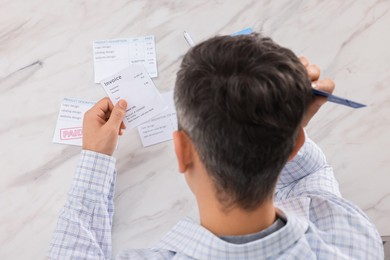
(326, 85)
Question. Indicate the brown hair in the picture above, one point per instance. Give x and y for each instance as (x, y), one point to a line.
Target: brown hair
(241, 100)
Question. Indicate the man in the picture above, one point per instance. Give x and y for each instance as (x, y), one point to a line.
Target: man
(264, 190)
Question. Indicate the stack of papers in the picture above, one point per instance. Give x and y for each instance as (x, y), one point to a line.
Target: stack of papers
(124, 68)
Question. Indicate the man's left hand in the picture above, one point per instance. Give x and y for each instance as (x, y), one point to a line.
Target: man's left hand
(102, 124)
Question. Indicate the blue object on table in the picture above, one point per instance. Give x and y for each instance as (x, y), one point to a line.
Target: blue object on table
(243, 32)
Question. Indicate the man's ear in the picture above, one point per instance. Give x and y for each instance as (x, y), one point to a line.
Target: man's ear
(298, 143)
(183, 150)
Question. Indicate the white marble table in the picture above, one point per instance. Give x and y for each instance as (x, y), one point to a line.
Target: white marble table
(46, 54)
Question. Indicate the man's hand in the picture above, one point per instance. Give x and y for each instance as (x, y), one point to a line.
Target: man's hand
(102, 124)
(326, 85)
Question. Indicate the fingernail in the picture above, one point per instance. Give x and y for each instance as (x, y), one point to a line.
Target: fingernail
(314, 85)
(122, 104)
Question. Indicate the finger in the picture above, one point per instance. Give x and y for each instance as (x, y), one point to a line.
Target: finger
(304, 61)
(316, 103)
(117, 114)
(313, 71)
(104, 104)
(101, 108)
(326, 85)
(122, 128)
(97, 110)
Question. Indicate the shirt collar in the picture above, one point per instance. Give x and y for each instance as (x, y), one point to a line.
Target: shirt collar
(193, 240)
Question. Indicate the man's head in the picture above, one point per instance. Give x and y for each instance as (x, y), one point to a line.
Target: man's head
(240, 100)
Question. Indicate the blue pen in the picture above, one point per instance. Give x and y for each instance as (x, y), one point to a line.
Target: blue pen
(330, 97)
(336, 99)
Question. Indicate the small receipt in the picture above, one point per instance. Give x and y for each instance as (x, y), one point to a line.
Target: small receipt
(112, 56)
(160, 128)
(135, 86)
(69, 129)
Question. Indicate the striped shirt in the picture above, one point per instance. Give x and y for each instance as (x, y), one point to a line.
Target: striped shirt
(319, 223)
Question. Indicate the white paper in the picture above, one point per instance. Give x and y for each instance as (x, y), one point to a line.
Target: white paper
(136, 87)
(70, 121)
(112, 56)
(160, 128)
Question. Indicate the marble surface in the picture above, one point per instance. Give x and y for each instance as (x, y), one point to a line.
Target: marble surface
(46, 54)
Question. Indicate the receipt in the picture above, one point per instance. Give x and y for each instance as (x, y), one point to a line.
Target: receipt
(69, 128)
(112, 56)
(136, 87)
(160, 128)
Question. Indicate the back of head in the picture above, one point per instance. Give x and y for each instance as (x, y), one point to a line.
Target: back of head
(241, 100)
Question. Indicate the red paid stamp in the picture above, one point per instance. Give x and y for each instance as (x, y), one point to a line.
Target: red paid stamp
(71, 133)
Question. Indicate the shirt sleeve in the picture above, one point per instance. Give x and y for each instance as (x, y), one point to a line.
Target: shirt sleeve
(341, 225)
(307, 173)
(83, 229)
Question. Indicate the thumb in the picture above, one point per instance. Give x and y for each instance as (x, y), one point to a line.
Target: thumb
(117, 114)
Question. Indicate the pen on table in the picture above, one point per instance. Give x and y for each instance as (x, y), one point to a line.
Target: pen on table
(330, 97)
(188, 39)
